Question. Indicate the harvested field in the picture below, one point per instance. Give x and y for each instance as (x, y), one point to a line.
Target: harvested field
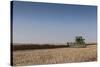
(53, 56)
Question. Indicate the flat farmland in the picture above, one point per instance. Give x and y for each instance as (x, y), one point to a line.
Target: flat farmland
(54, 56)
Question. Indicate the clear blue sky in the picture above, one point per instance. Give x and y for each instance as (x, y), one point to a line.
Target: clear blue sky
(53, 23)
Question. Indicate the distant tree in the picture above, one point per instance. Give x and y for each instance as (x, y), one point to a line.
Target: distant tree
(68, 44)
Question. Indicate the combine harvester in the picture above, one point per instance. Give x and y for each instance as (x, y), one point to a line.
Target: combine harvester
(79, 42)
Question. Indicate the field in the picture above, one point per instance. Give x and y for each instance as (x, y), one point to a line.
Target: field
(55, 55)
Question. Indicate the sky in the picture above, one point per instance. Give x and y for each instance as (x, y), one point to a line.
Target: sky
(35, 22)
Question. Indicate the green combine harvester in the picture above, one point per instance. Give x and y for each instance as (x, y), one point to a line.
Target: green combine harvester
(79, 42)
